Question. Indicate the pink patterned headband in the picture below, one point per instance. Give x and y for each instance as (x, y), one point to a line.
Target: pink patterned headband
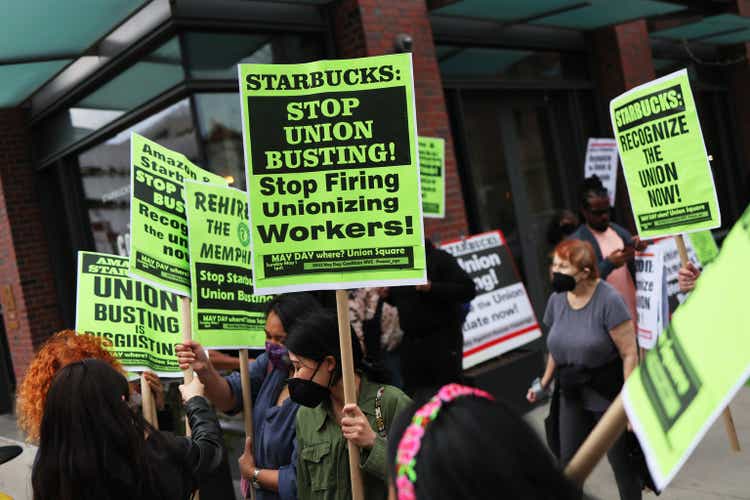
(411, 441)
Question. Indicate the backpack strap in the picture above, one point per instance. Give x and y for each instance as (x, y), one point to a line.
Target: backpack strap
(379, 422)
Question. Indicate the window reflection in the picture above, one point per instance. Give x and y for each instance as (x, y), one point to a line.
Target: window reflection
(105, 173)
(220, 125)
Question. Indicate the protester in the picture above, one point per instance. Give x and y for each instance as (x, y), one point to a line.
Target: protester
(464, 444)
(267, 462)
(325, 425)
(687, 276)
(561, 226)
(592, 350)
(614, 246)
(94, 445)
(58, 351)
(377, 327)
(431, 317)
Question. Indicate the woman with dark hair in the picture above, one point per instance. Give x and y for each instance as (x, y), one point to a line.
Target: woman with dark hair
(94, 445)
(464, 444)
(267, 463)
(592, 350)
(325, 425)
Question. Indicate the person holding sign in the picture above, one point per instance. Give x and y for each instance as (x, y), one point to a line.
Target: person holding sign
(614, 246)
(267, 463)
(93, 445)
(592, 350)
(325, 425)
(687, 276)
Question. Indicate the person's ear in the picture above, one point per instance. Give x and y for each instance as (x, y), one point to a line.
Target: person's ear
(330, 363)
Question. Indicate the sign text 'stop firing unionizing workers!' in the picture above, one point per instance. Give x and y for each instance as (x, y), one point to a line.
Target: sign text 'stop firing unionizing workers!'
(333, 174)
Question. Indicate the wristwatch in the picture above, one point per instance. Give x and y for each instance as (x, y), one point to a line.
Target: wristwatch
(256, 473)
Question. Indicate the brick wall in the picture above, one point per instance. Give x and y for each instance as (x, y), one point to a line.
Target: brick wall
(621, 60)
(27, 291)
(368, 28)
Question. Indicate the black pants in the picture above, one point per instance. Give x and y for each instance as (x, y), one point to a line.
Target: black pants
(576, 424)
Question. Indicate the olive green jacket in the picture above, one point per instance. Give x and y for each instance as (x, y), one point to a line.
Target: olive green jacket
(323, 464)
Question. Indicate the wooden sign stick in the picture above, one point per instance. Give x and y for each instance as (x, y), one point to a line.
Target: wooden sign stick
(350, 389)
(602, 437)
(147, 403)
(727, 413)
(187, 374)
(247, 402)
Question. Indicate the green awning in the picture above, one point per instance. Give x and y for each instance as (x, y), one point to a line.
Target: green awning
(724, 29)
(572, 14)
(40, 37)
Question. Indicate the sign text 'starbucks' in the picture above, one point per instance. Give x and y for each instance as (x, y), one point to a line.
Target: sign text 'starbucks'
(332, 171)
(664, 158)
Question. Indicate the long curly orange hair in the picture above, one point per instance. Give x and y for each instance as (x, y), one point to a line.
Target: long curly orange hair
(58, 351)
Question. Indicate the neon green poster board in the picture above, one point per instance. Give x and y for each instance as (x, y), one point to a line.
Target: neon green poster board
(705, 246)
(332, 174)
(225, 312)
(141, 322)
(664, 158)
(158, 229)
(699, 363)
(432, 176)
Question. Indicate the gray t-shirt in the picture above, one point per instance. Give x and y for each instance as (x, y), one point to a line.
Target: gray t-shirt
(581, 336)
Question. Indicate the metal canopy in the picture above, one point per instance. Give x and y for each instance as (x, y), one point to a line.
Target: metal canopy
(571, 14)
(724, 29)
(43, 36)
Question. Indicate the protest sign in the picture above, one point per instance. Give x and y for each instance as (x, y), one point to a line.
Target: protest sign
(142, 323)
(705, 246)
(332, 174)
(651, 300)
(432, 176)
(685, 382)
(225, 313)
(672, 265)
(664, 158)
(601, 160)
(158, 229)
(501, 317)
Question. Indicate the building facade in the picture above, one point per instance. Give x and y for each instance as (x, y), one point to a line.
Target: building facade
(514, 87)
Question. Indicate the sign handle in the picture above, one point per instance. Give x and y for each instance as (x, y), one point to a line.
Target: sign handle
(602, 437)
(187, 374)
(350, 389)
(734, 442)
(147, 403)
(247, 402)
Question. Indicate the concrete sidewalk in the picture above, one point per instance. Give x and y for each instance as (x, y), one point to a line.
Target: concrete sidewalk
(713, 471)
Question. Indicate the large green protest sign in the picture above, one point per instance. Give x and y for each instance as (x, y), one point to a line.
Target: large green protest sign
(225, 312)
(158, 229)
(141, 323)
(664, 158)
(432, 176)
(699, 363)
(332, 174)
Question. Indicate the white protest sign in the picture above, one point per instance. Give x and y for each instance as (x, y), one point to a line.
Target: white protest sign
(672, 266)
(650, 295)
(601, 160)
(501, 317)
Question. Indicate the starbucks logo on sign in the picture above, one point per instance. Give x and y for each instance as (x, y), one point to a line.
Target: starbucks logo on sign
(243, 233)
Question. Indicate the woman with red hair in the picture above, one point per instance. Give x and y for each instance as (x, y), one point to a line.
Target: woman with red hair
(592, 350)
(61, 349)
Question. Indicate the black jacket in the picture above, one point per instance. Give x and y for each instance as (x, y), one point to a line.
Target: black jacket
(432, 348)
(185, 461)
(605, 266)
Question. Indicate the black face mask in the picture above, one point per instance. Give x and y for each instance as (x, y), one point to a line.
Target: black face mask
(306, 392)
(563, 282)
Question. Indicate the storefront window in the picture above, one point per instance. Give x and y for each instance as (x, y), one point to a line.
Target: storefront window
(149, 77)
(220, 126)
(508, 64)
(105, 173)
(214, 56)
